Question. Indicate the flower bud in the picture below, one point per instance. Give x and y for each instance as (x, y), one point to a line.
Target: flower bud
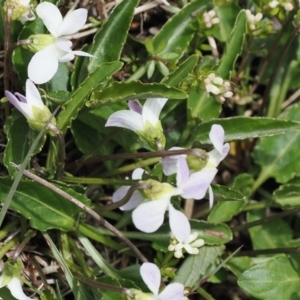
(157, 190)
(39, 42)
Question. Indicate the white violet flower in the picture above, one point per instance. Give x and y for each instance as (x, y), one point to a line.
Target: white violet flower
(52, 49)
(21, 10)
(31, 106)
(143, 120)
(151, 276)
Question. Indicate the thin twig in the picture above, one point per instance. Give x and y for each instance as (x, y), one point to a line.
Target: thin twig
(86, 209)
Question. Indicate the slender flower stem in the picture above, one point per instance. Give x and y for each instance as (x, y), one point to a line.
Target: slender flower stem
(87, 210)
(30, 234)
(267, 219)
(98, 181)
(6, 247)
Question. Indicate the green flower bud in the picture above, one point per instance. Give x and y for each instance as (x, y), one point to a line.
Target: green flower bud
(158, 190)
(196, 163)
(39, 42)
(18, 8)
(139, 295)
(11, 269)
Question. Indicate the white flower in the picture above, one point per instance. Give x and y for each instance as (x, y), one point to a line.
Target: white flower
(44, 63)
(253, 20)
(210, 19)
(31, 106)
(15, 287)
(143, 120)
(151, 276)
(287, 5)
(217, 86)
(21, 10)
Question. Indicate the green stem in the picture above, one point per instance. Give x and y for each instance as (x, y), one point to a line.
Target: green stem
(6, 247)
(255, 205)
(5, 230)
(98, 181)
(268, 251)
(204, 294)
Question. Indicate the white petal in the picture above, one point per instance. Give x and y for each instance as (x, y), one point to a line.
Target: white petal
(169, 163)
(215, 157)
(126, 119)
(32, 95)
(135, 200)
(22, 107)
(174, 291)
(15, 288)
(216, 136)
(82, 53)
(73, 22)
(43, 65)
(211, 197)
(152, 109)
(182, 172)
(151, 276)
(67, 57)
(180, 225)
(137, 173)
(51, 17)
(198, 183)
(149, 216)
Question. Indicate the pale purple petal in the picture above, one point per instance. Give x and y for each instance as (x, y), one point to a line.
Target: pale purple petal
(16, 290)
(198, 183)
(51, 17)
(182, 172)
(169, 163)
(216, 136)
(137, 173)
(149, 216)
(152, 109)
(173, 291)
(135, 200)
(21, 97)
(23, 108)
(211, 197)
(135, 106)
(226, 149)
(179, 224)
(43, 65)
(151, 276)
(126, 119)
(32, 95)
(73, 22)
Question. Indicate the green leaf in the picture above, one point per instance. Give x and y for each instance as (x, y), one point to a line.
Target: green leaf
(70, 108)
(273, 234)
(288, 195)
(234, 46)
(240, 128)
(121, 91)
(108, 42)
(279, 157)
(277, 278)
(19, 139)
(182, 71)
(178, 30)
(195, 267)
(44, 208)
(224, 193)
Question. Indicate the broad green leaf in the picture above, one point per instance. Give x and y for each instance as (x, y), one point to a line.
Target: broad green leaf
(60, 81)
(227, 16)
(182, 71)
(224, 193)
(121, 91)
(178, 30)
(238, 265)
(279, 156)
(277, 278)
(19, 139)
(109, 41)
(70, 108)
(274, 234)
(80, 71)
(202, 106)
(234, 46)
(44, 208)
(288, 195)
(195, 267)
(240, 128)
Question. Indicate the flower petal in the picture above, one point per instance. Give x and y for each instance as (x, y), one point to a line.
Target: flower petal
(135, 200)
(169, 163)
(32, 95)
(173, 291)
(135, 106)
(126, 119)
(179, 224)
(137, 173)
(23, 108)
(216, 136)
(51, 17)
(182, 172)
(151, 276)
(149, 216)
(73, 22)
(211, 197)
(152, 109)
(16, 290)
(43, 65)
(198, 183)
(82, 53)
